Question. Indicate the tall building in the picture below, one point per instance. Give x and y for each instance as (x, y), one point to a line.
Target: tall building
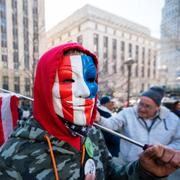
(114, 40)
(22, 28)
(170, 42)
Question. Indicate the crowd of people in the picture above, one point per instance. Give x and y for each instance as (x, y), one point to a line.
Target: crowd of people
(24, 108)
(148, 122)
(60, 142)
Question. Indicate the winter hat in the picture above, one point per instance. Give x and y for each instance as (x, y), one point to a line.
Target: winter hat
(156, 93)
(105, 99)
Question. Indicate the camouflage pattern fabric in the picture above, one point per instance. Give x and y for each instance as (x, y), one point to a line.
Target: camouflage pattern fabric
(26, 156)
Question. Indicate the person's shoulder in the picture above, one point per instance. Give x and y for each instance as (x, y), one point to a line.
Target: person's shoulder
(174, 116)
(165, 113)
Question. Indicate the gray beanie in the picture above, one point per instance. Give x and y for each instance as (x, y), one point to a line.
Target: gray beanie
(156, 93)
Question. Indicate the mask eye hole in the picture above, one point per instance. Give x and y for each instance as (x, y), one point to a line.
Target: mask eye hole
(68, 81)
(91, 80)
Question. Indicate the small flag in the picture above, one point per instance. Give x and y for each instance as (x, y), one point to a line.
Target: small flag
(8, 115)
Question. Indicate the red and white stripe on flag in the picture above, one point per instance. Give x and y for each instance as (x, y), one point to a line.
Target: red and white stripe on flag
(8, 115)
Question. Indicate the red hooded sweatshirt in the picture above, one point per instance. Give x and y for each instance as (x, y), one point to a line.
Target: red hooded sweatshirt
(44, 111)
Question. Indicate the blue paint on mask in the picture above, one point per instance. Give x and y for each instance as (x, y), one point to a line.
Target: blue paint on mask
(89, 74)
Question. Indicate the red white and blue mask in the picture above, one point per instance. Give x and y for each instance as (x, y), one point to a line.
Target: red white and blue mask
(75, 88)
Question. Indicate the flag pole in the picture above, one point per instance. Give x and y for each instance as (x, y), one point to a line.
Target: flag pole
(95, 124)
(119, 135)
(19, 95)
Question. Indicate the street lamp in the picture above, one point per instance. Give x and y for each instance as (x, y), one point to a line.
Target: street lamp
(129, 63)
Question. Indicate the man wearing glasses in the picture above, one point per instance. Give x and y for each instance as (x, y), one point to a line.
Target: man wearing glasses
(147, 122)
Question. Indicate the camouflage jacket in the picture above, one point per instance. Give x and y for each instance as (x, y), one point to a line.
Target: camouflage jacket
(26, 156)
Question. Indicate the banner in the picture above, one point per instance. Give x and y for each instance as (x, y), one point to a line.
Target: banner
(8, 115)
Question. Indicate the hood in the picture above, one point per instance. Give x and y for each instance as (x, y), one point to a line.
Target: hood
(43, 110)
(105, 109)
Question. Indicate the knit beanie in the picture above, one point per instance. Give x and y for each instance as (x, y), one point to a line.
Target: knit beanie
(105, 99)
(156, 93)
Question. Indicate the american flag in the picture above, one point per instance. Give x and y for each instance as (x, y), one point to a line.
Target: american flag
(8, 115)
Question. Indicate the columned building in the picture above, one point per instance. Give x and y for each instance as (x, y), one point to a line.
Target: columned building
(170, 42)
(22, 28)
(114, 40)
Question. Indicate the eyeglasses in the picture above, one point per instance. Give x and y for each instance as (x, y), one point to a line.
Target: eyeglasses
(145, 106)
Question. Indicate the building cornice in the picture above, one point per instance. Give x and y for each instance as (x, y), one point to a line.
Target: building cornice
(95, 14)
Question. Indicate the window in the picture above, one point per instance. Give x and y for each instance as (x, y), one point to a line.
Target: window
(114, 48)
(5, 82)
(14, 3)
(122, 51)
(5, 61)
(3, 24)
(96, 44)
(136, 70)
(137, 53)
(122, 46)
(16, 84)
(130, 50)
(27, 86)
(114, 68)
(148, 73)
(3, 39)
(142, 71)
(105, 47)
(143, 55)
(154, 64)
(149, 57)
(16, 60)
(26, 60)
(142, 87)
(15, 44)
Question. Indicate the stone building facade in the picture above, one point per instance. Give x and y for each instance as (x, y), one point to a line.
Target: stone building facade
(22, 29)
(114, 40)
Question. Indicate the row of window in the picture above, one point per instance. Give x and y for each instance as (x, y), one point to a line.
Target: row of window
(15, 33)
(3, 23)
(27, 86)
(122, 56)
(122, 49)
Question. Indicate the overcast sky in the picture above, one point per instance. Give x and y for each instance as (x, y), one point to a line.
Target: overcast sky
(145, 12)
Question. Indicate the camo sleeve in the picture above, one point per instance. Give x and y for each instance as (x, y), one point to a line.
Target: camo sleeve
(8, 172)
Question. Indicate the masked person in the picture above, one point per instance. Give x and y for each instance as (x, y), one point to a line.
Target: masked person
(59, 141)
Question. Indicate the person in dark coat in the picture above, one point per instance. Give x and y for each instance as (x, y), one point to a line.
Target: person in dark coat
(176, 108)
(105, 109)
